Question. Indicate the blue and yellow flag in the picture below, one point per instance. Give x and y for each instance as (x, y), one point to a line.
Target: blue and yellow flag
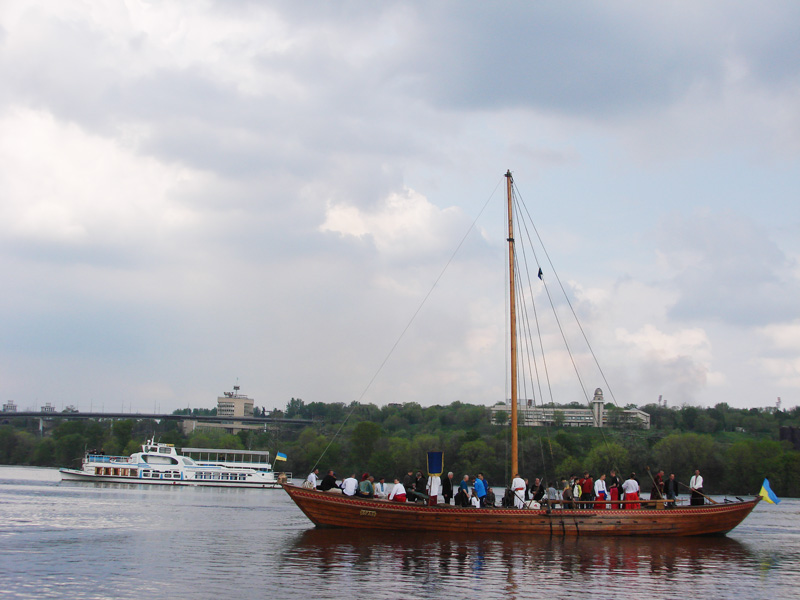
(767, 493)
(280, 456)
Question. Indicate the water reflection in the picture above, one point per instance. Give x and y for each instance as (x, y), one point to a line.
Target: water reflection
(516, 563)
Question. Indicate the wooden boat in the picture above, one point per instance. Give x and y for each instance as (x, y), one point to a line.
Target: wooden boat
(333, 509)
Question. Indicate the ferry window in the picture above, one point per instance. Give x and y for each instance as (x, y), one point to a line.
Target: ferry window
(188, 461)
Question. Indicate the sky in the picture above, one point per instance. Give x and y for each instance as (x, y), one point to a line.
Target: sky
(306, 199)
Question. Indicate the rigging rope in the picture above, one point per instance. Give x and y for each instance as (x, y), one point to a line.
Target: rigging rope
(521, 211)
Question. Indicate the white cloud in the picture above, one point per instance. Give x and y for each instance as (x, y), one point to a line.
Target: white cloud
(64, 186)
(404, 224)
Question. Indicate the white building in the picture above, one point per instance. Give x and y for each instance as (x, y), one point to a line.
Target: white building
(572, 416)
(230, 404)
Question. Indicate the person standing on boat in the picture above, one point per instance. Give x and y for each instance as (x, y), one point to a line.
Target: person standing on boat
(312, 479)
(350, 485)
(398, 493)
(566, 495)
(480, 489)
(671, 490)
(433, 488)
(462, 498)
(630, 491)
(518, 489)
(587, 489)
(657, 493)
(696, 485)
(601, 492)
(537, 490)
(614, 488)
(447, 488)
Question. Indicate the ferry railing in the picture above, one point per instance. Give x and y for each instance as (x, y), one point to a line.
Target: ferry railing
(107, 458)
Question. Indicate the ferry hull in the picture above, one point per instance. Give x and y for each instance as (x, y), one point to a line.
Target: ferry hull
(335, 510)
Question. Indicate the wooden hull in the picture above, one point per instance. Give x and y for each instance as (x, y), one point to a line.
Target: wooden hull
(327, 509)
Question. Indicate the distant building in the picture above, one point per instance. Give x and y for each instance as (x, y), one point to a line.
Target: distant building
(234, 404)
(571, 416)
(10, 406)
(48, 408)
(230, 404)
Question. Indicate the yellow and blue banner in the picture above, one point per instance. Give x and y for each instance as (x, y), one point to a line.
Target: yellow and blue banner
(280, 456)
(767, 493)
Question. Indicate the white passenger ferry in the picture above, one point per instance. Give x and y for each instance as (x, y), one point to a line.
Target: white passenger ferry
(161, 464)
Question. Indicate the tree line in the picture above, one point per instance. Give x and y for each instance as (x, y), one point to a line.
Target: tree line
(734, 448)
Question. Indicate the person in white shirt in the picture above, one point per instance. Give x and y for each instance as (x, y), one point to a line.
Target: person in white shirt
(312, 479)
(475, 501)
(696, 484)
(630, 492)
(518, 488)
(601, 492)
(433, 488)
(380, 489)
(350, 485)
(398, 493)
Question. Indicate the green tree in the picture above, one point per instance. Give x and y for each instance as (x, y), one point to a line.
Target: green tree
(45, 453)
(70, 450)
(604, 457)
(682, 453)
(363, 438)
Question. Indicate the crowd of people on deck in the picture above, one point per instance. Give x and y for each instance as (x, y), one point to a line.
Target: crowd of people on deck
(586, 492)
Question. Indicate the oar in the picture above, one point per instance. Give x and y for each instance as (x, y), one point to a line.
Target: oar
(701, 493)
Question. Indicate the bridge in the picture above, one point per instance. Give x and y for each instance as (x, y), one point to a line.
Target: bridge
(4, 416)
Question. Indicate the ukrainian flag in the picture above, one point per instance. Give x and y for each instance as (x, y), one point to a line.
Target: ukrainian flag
(280, 456)
(767, 493)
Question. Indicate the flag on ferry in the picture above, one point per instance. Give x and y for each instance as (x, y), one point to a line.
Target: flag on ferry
(280, 456)
(767, 493)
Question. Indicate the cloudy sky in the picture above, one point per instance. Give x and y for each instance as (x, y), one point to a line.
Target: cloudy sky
(195, 194)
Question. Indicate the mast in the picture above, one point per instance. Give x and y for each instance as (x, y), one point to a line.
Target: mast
(513, 327)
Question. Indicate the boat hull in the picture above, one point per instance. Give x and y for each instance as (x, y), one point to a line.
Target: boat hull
(327, 509)
(76, 475)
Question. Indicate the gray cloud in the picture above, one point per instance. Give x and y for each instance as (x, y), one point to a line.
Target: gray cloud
(728, 269)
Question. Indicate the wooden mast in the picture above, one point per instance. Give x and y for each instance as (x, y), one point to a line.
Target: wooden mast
(513, 327)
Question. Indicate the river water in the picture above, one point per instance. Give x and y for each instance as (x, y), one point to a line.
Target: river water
(84, 540)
